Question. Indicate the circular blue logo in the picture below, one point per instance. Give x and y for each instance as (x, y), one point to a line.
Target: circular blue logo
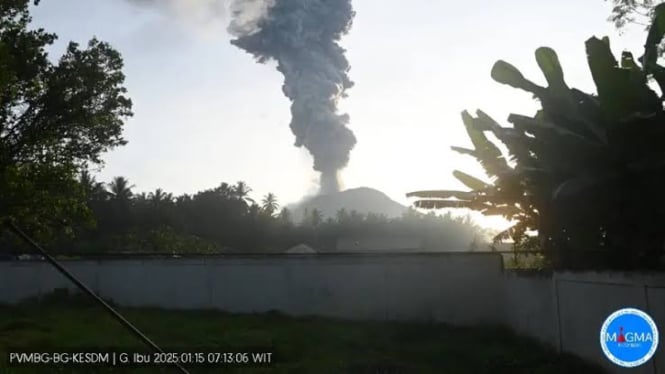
(629, 337)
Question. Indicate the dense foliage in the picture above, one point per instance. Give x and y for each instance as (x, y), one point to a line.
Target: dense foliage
(55, 118)
(586, 171)
(638, 12)
(226, 219)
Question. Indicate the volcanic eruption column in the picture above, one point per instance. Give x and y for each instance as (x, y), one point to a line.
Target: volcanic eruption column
(302, 37)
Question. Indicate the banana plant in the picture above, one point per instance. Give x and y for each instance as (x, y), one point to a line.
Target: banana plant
(585, 171)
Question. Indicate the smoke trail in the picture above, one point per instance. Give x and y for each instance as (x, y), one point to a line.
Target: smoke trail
(207, 17)
(302, 37)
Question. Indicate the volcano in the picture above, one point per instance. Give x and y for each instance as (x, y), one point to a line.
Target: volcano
(363, 200)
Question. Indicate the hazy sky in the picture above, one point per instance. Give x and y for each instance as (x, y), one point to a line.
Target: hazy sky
(205, 112)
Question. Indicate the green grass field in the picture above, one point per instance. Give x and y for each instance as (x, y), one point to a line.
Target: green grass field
(300, 345)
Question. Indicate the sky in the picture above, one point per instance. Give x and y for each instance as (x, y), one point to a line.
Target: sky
(205, 112)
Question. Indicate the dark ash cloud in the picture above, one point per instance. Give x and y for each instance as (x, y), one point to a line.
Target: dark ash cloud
(302, 37)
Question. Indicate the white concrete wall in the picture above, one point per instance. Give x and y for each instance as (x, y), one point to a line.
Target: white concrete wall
(567, 310)
(395, 286)
(529, 306)
(564, 310)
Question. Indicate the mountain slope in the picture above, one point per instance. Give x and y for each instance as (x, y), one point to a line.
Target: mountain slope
(363, 200)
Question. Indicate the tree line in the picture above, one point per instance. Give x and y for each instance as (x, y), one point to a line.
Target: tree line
(227, 219)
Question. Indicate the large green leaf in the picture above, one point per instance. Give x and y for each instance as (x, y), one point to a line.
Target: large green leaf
(442, 194)
(465, 151)
(588, 114)
(519, 147)
(611, 87)
(549, 65)
(477, 137)
(619, 92)
(441, 204)
(504, 210)
(506, 73)
(532, 125)
(469, 181)
(487, 121)
(487, 153)
(484, 147)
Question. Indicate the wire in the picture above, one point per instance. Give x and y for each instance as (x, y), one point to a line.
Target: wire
(13, 228)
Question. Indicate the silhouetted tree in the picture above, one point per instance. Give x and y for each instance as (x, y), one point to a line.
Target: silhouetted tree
(587, 168)
(120, 189)
(95, 191)
(55, 117)
(241, 191)
(270, 204)
(218, 220)
(225, 190)
(160, 197)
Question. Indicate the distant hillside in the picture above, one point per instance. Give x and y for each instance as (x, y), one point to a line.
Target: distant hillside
(363, 200)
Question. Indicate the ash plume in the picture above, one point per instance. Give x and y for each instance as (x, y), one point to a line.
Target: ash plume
(302, 37)
(205, 16)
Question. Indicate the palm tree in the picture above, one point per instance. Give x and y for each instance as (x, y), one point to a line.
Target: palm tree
(270, 204)
(225, 190)
(141, 198)
(241, 192)
(185, 198)
(159, 196)
(93, 189)
(120, 189)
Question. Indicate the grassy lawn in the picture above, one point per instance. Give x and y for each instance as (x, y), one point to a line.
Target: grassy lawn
(300, 345)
